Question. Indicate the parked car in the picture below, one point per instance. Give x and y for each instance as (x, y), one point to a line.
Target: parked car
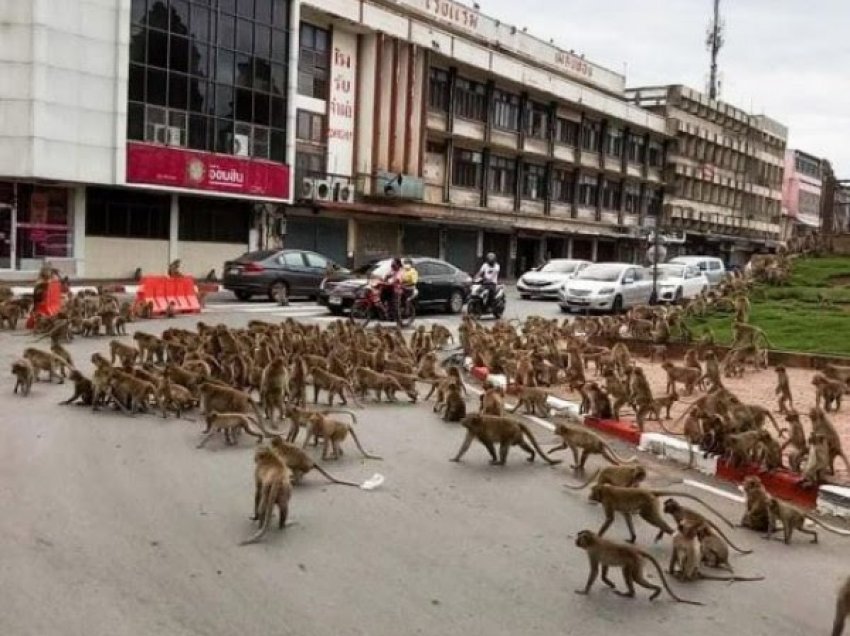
(607, 287)
(679, 282)
(277, 274)
(711, 266)
(441, 285)
(549, 280)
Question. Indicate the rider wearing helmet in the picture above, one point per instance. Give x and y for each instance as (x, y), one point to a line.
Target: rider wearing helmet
(489, 275)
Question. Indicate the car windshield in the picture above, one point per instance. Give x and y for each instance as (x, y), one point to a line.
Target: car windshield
(601, 273)
(671, 271)
(558, 267)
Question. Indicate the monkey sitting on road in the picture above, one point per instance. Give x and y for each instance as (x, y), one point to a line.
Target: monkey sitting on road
(505, 431)
(686, 556)
(792, 519)
(756, 515)
(83, 389)
(683, 514)
(454, 407)
(24, 376)
(230, 424)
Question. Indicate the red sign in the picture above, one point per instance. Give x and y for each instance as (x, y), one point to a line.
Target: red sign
(179, 168)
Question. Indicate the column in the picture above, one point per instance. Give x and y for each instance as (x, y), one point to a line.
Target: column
(595, 252)
(78, 207)
(351, 248)
(479, 249)
(570, 247)
(512, 257)
(174, 229)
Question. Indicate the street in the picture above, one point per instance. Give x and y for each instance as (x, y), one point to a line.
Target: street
(118, 526)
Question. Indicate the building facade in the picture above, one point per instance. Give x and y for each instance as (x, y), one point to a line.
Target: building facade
(801, 193)
(724, 174)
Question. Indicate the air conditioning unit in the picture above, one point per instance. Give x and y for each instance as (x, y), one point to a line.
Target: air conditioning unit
(168, 135)
(308, 189)
(323, 190)
(343, 191)
(241, 144)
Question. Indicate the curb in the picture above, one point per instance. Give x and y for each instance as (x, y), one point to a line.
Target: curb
(209, 288)
(831, 500)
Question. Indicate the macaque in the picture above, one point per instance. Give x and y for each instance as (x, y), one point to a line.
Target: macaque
(273, 487)
(24, 376)
(783, 390)
(505, 431)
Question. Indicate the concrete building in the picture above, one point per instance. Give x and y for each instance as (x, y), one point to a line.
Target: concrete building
(724, 173)
(424, 126)
(801, 193)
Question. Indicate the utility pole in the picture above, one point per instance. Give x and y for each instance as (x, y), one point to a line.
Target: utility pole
(714, 42)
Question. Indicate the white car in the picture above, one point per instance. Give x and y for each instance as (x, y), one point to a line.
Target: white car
(607, 287)
(549, 280)
(678, 282)
(711, 266)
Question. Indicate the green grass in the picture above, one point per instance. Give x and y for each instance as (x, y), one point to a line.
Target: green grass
(817, 272)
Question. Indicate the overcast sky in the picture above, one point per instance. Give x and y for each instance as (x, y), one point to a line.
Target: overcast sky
(787, 59)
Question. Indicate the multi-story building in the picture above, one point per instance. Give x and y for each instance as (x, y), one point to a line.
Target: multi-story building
(801, 193)
(424, 126)
(724, 173)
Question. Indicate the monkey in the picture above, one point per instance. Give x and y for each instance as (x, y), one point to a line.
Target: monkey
(83, 389)
(608, 554)
(823, 426)
(333, 434)
(60, 332)
(714, 550)
(90, 327)
(598, 402)
(175, 397)
(171, 309)
(45, 361)
(629, 476)
(641, 501)
(146, 310)
(24, 376)
(60, 351)
(174, 269)
(817, 462)
(658, 352)
(842, 609)
(222, 399)
(506, 431)
(796, 439)
(230, 424)
(616, 388)
(835, 372)
(300, 463)
(274, 388)
(665, 402)
(692, 360)
(688, 376)
(741, 447)
(334, 385)
(134, 392)
(783, 390)
(683, 514)
(454, 408)
(150, 347)
(126, 354)
(273, 487)
(121, 325)
(381, 383)
(534, 400)
(793, 518)
(742, 309)
(576, 437)
(745, 334)
(756, 515)
(10, 314)
(428, 368)
(492, 402)
(108, 317)
(828, 391)
(686, 556)
(300, 418)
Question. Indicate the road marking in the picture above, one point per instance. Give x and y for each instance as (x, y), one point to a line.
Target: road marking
(720, 492)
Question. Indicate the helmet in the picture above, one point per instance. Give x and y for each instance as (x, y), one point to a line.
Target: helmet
(490, 258)
(396, 264)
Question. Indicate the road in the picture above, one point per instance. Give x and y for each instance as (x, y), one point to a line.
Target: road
(118, 526)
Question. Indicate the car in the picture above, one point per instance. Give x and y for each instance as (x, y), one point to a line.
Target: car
(277, 274)
(547, 281)
(711, 266)
(679, 282)
(441, 285)
(607, 287)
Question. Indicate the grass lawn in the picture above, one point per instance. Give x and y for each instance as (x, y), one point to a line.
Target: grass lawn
(792, 316)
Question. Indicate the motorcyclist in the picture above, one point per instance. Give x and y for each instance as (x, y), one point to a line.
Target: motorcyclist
(391, 285)
(489, 277)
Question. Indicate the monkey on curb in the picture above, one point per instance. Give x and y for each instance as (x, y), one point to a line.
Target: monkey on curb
(607, 554)
(505, 431)
(756, 515)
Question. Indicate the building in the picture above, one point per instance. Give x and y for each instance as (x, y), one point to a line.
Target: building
(801, 193)
(424, 126)
(724, 173)
(134, 132)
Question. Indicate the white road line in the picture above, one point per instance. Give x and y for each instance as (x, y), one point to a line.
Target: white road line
(715, 491)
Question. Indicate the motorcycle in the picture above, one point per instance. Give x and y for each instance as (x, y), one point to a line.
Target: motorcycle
(368, 305)
(494, 304)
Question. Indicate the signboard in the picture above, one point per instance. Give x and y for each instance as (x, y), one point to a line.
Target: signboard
(181, 168)
(341, 107)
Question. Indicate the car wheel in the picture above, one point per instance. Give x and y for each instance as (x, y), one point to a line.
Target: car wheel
(244, 296)
(679, 296)
(455, 304)
(617, 305)
(279, 293)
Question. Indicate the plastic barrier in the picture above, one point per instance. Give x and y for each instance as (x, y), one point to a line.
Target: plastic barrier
(49, 305)
(780, 483)
(163, 291)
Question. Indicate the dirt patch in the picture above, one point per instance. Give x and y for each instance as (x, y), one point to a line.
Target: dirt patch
(838, 280)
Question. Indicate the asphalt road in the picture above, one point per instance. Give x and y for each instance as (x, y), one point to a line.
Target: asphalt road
(118, 526)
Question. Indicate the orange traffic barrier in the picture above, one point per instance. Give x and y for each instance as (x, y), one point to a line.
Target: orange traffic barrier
(163, 291)
(49, 305)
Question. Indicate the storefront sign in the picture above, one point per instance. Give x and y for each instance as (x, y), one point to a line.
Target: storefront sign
(179, 168)
(341, 108)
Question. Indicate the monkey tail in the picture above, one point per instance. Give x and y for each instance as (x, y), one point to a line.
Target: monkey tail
(260, 421)
(530, 436)
(726, 539)
(586, 483)
(619, 460)
(353, 395)
(669, 431)
(360, 447)
(333, 479)
(671, 493)
(827, 527)
(269, 495)
(657, 565)
(729, 579)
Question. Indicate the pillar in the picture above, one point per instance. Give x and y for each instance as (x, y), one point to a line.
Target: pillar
(595, 252)
(570, 247)
(479, 250)
(174, 229)
(351, 248)
(78, 205)
(512, 256)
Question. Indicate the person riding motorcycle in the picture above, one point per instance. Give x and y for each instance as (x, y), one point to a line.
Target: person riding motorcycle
(391, 286)
(489, 277)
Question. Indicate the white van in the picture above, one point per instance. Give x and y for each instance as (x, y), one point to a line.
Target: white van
(712, 267)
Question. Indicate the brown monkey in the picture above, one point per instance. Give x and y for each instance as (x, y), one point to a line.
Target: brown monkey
(171, 309)
(60, 351)
(713, 378)
(429, 369)
(688, 376)
(629, 476)
(274, 388)
(577, 437)
(333, 434)
(175, 397)
(83, 389)
(300, 463)
(783, 390)
(797, 440)
(683, 514)
(383, 384)
(230, 424)
(505, 431)
(223, 399)
(665, 402)
(714, 550)
(273, 487)
(492, 402)
(300, 418)
(817, 462)
(822, 425)
(608, 554)
(829, 391)
(454, 408)
(756, 515)
(334, 385)
(687, 556)
(842, 609)
(24, 376)
(150, 347)
(793, 518)
(45, 361)
(132, 391)
(534, 400)
(126, 354)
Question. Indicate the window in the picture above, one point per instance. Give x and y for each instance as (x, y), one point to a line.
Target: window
(563, 184)
(807, 166)
(614, 142)
(533, 181)
(656, 199)
(127, 214)
(470, 100)
(438, 90)
(44, 223)
(656, 155)
(202, 78)
(610, 195)
(292, 260)
(313, 61)
(636, 148)
(537, 123)
(214, 220)
(432, 268)
(632, 195)
(505, 110)
(466, 170)
(311, 146)
(590, 135)
(567, 132)
(587, 189)
(310, 127)
(315, 261)
(501, 177)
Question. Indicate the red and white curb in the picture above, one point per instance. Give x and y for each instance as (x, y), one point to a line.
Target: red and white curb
(831, 500)
(210, 288)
